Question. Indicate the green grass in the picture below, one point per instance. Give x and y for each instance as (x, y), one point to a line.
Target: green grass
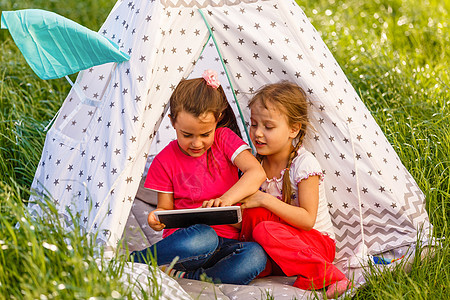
(394, 52)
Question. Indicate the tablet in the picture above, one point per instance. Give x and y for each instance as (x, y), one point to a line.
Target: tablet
(179, 218)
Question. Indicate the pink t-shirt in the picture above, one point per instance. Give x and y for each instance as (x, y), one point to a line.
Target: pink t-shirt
(193, 180)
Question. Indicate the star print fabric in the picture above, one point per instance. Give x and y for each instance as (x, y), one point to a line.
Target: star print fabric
(95, 153)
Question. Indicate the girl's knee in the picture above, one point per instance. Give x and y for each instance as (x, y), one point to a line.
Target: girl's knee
(202, 238)
(257, 254)
(202, 229)
(254, 262)
(262, 230)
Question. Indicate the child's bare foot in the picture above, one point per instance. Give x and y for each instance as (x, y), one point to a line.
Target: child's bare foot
(336, 289)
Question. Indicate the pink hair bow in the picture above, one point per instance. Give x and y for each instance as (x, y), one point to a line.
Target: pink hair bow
(211, 78)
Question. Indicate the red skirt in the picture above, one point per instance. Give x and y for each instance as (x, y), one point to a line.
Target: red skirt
(307, 254)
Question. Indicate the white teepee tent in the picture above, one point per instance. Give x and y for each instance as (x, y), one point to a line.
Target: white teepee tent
(95, 152)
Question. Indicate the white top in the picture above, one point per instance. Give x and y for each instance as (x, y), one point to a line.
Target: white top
(303, 166)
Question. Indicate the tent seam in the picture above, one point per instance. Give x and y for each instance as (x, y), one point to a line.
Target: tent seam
(358, 191)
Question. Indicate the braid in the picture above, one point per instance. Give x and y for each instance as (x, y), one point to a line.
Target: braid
(289, 99)
(287, 188)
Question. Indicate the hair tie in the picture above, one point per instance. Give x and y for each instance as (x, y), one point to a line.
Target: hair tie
(211, 78)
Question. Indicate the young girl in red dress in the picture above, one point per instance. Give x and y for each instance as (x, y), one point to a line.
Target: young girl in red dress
(289, 216)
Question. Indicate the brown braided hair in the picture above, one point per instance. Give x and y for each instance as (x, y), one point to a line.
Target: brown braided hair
(290, 99)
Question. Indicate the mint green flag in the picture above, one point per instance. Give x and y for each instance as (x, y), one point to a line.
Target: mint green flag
(55, 46)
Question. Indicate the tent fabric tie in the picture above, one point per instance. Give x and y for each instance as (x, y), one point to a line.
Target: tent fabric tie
(84, 100)
(228, 77)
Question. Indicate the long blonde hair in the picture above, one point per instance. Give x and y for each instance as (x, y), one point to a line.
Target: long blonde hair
(289, 99)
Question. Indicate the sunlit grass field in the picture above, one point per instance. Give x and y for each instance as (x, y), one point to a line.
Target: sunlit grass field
(394, 52)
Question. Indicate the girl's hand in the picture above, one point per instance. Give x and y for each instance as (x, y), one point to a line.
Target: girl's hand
(302, 216)
(218, 202)
(255, 200)
(153, 222)
(252, 178)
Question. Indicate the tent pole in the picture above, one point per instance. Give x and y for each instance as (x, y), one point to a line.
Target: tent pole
(228, 77)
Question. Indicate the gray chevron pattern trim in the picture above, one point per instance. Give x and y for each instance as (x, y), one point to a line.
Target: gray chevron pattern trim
(385, 218)
(414, 201)
(383, 240)
(204, 3)
(346, 235)
(382, 230)
(381, 243)
(371, 236)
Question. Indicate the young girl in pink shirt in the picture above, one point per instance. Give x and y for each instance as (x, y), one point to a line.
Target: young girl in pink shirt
(289, 217)
(201, 165)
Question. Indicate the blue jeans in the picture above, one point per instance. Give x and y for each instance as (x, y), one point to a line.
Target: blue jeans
(201, 250)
